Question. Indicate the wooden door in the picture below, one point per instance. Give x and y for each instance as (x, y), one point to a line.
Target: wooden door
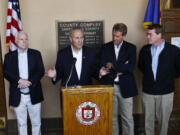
(3, 116)
(171, 28)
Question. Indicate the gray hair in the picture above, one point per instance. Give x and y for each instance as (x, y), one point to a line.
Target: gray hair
(17, 33)
(75, 28)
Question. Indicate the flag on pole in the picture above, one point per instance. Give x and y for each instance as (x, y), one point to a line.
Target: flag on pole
(153, 13)
(13, 23)
(13, 26)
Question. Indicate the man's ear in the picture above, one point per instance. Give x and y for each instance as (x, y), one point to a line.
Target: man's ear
(124, 36)
(160, 34)
(70, 38)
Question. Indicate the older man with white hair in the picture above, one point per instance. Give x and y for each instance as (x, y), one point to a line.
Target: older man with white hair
(24, 68)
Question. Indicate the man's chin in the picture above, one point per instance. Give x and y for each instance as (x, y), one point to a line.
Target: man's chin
(116, 43)
(80, 47)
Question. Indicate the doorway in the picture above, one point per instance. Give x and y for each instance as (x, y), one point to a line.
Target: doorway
(3, 111)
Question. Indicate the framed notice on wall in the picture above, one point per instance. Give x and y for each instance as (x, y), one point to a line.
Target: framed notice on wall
(93, 33)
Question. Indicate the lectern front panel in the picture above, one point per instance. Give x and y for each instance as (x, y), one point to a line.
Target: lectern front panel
(88, 111)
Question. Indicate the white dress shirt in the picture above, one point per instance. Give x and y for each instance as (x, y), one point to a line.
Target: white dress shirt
(23, 67)
(78, 64)
(117, 49)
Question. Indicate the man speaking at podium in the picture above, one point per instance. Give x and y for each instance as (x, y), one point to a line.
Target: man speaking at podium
(76, 64)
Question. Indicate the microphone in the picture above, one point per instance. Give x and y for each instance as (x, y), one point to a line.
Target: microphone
(72, 66)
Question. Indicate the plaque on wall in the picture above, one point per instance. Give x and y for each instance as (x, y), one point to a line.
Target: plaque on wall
(93, 33)
(175, 41)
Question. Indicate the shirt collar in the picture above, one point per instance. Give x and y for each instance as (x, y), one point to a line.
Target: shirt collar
(80, 51)
(161, 46)
(118, 46)
(25, 52)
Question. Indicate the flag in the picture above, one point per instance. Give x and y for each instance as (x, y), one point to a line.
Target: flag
(153, 13)
(168, 4)
(13, 23)
(13, 26)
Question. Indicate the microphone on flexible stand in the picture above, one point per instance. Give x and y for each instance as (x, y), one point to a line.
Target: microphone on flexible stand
(72, 66)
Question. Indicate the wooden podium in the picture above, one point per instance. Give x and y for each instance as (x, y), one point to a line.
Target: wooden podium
(87, 110)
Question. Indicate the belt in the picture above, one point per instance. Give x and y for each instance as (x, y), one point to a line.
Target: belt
(25, 93)
(116, 82)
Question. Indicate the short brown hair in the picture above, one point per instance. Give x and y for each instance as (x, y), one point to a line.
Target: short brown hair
(156, 27)
(121, 27)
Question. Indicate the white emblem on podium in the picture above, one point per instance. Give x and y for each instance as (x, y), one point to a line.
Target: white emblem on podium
(87, 113)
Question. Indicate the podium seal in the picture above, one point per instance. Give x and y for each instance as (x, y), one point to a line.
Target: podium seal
(87, 113)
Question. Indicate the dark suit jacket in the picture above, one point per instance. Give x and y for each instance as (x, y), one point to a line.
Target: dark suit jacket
(126, 80)
(64, 62)
(35, 70)
(168, 69)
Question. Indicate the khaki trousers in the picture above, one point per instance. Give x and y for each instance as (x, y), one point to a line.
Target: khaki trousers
(125, 106)
(160, 107)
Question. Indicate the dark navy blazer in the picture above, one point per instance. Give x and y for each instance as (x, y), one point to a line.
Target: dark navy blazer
(64, 63)
(35, 71)
(126, 80)
(168, 69)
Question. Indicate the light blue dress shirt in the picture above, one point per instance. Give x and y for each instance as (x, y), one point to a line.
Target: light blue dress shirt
(155, 52)
(23, 67)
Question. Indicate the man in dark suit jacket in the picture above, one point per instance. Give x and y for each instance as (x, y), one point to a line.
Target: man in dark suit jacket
(118, 60)
(160, 64)
(24, 69)
(85, 65)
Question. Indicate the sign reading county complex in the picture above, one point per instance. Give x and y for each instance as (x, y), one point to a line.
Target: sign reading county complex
(87, 113)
